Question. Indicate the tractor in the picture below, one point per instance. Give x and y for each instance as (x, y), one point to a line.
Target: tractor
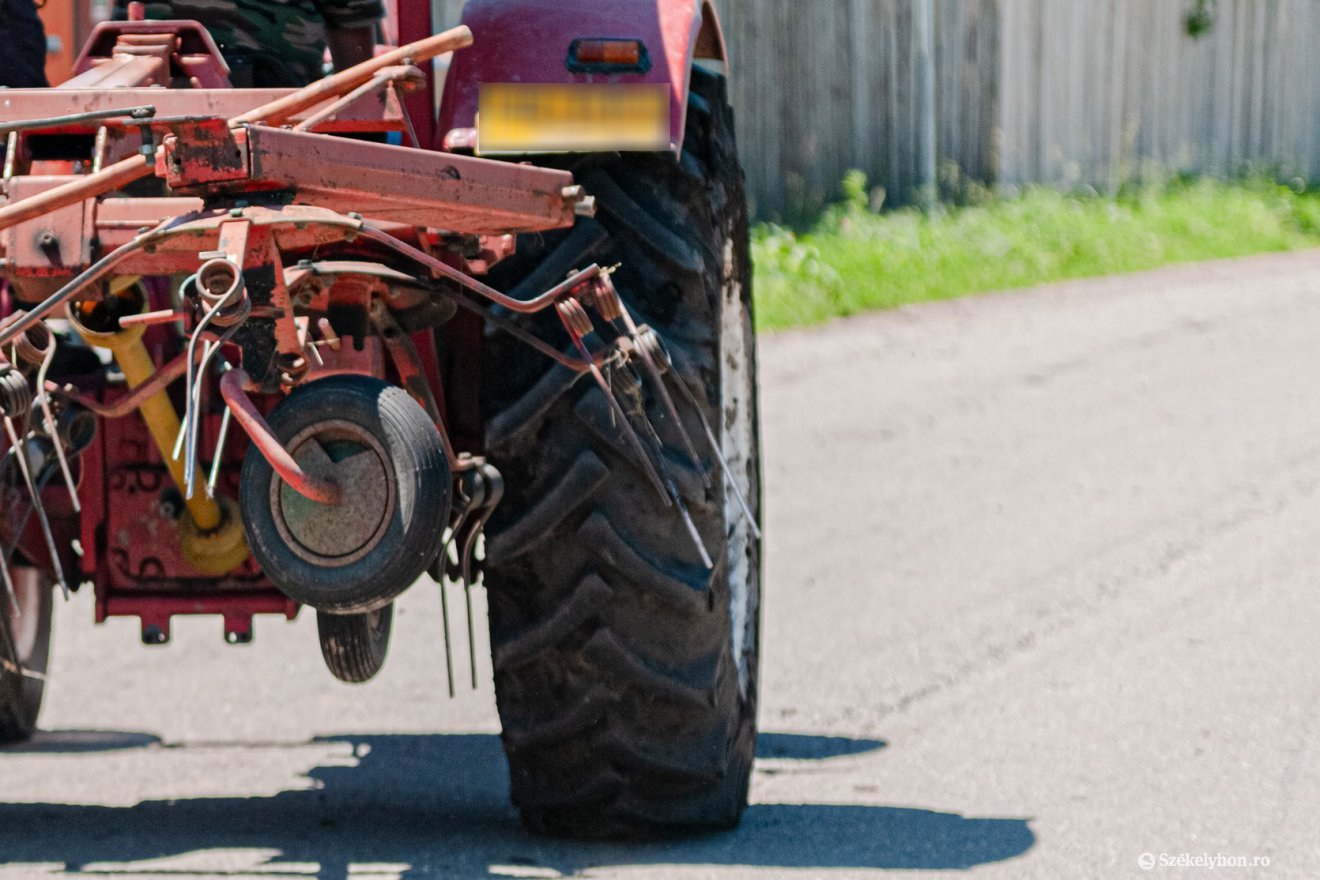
(479, 308)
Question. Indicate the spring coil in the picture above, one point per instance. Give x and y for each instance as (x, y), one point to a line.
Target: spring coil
(649, 342)
(574, 316)
(606, 300)
(219, 284)
(33, 345)
(15, 393)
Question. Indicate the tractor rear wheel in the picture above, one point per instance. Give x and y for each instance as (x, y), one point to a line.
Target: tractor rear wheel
(25, 634)
(625, 670)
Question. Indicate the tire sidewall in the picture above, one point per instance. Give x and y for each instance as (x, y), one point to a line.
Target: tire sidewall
(421, 503)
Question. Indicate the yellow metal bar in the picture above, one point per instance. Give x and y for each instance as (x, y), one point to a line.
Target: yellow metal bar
(211, 534)
(163, 423)
(157, 411)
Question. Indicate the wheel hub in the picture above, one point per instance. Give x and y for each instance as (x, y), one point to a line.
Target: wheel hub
(339, 534)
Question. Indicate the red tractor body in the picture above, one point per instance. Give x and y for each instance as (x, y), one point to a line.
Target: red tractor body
(245, 361)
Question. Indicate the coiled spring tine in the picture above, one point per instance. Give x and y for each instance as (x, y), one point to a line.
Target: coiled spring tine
(573, 317)
(21, 454)
(43, 399)
(612, 308)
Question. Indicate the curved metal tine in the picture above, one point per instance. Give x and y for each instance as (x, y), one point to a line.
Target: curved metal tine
(10, 593)
(194, 405)
(10, 660)
(43, 399)
(465, 569)
(194, 423)
(492, 494)
(633, 440)
(7, 553)
(188, 381)
(225, 419)
(719, 455)
(629, 330)
(674, 494)
(472, 637)
(21, 455)
(441, 563)
(444, 615)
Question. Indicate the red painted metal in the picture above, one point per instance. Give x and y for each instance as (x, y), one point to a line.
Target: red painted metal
(395, 230)
(247, 414)
(543, 30)
(410, 187)
(236, 607)
(189, 51)
(371, 112)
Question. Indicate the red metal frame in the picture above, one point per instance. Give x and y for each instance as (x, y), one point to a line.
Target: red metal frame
(281, 196)
(256, 184)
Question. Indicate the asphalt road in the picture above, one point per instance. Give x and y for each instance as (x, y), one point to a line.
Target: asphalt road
(1044, 596)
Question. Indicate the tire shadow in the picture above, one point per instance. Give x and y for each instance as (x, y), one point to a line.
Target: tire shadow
(436, 806)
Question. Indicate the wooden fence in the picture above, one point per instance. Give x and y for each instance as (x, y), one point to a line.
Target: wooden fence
(1067, 92)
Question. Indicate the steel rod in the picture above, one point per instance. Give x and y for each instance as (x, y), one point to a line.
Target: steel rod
(281, 109)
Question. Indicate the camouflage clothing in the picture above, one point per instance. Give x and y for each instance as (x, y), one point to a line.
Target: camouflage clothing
(268, 42)
(23, 64)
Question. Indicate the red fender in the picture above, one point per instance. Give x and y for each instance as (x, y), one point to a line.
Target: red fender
(527, 41)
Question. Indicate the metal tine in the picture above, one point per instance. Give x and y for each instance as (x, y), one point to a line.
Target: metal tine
(568, 320)
(439, 574)
(194, 405)
(194, 423)
(10, 660)
(192, 377)
(719, 455)
(692, 529)
(616, 312)
(472, 638)
(43, 399)
(444, 614)
(491, 495)
(219, 450)
(21, 454)
(674, 494)
(10, 593)
(178, 438)
(7, 556)
(465, 574)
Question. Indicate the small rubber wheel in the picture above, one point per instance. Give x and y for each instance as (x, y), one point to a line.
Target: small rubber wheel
(22, 685)
(386, 455)
(354, 645)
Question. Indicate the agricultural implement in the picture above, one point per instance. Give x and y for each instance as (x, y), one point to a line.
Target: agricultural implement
(270, 348)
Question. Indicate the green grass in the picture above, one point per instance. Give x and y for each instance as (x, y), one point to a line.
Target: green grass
(855, 260)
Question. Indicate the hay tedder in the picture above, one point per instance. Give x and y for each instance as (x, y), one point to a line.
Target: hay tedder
(490, 320)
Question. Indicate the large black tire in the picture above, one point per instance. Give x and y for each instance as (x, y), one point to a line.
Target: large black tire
(354, 646)
(22, 688)
(361, 554)
(625, 671)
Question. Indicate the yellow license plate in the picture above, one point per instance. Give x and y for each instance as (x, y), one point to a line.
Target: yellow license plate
(521, 118)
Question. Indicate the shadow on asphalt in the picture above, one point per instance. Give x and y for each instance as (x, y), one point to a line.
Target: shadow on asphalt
(438, 804)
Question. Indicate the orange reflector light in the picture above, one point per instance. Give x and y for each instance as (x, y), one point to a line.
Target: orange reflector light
(600, 55)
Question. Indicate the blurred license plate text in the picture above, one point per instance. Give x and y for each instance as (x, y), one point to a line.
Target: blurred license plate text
(572, 118)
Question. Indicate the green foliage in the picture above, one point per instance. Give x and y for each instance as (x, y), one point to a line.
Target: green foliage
(854, 259)
(1200, 19)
